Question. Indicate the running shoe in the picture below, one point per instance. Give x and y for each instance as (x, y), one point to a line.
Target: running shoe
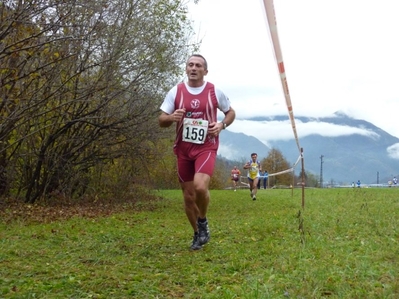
(203, 232)
(196, 244)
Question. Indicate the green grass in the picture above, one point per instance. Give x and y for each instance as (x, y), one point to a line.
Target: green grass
(344, 244)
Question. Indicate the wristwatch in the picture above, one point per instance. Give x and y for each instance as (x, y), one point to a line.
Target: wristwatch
(224, 125)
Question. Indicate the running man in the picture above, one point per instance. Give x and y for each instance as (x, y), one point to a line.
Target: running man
(253, 167)
(235, 176)
(193, 107)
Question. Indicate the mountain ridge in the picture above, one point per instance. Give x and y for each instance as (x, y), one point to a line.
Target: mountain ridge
(346, 158)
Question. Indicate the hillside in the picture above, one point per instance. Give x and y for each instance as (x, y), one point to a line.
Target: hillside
(346, 158)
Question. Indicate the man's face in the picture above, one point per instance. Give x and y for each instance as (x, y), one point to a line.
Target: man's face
(254, 157)
(195, 68)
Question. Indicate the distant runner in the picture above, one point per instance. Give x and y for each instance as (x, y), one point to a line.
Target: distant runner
(235, 176)
(253, 167)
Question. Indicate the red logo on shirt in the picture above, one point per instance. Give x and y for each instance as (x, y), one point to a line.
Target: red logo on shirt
(195, 104)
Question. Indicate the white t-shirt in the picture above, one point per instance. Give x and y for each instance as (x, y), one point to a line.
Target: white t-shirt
(168, 105)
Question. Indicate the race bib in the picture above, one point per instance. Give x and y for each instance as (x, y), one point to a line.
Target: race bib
(195, 130)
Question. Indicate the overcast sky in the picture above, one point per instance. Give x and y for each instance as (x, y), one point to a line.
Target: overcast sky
(339, 55)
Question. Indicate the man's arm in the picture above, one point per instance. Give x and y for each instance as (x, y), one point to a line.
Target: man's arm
(166, 120)
(229, 117)
(215, 128)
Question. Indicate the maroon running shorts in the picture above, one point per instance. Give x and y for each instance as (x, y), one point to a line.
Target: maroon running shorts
(201, 163)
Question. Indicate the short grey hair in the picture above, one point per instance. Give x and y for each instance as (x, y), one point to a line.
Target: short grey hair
(200, 56)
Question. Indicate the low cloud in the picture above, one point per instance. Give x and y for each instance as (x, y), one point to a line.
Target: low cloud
(267, 131)
(229, 152)
(393, 151)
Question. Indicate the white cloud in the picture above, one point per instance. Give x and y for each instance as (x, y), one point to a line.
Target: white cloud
(393, 151)
(228, 152)
(339, 55)
(267, 131)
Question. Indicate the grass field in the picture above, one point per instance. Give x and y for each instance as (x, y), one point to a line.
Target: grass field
(344, 244)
